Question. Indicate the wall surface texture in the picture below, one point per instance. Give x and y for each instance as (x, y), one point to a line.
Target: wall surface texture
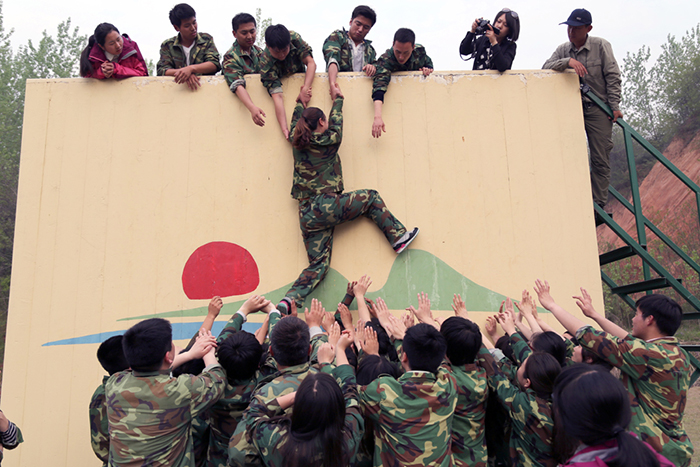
(140, 197)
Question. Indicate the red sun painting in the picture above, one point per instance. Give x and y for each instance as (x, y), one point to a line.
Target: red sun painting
(219, 268)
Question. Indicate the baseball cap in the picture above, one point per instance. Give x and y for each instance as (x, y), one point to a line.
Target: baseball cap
(579, 17)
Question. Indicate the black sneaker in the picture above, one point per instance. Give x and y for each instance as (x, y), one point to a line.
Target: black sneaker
(402, 245)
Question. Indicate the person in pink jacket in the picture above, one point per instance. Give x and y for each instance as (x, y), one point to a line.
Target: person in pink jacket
(111, 55)
(591, 415)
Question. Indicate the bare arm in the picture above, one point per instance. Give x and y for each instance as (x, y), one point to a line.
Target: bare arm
(278, 100)
(255, 112)
(569, 321)
(585, 302)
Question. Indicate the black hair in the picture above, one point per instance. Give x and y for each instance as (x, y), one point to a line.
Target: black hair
(503, 343)
(241, 19)
(146, 343)
(367, 12)
(111, 355)
(306, 125)
(289, 341)
(372, 367)
(192, 367)
(239, 355)
(541, 369)
(277, 37)
(667, 312)
(352, 357)
(98, 37)
(591, 358)
(592, 407)
(463, 339)
(513, 23)
(425, 347)
(181, 12)
(386, 348)
(317, 421)
(404, 35)
(551, 343)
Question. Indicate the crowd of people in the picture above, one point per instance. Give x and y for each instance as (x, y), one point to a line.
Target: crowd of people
(403, 391)
(384, 390)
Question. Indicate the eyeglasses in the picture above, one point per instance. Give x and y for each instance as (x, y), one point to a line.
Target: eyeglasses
(508, 10)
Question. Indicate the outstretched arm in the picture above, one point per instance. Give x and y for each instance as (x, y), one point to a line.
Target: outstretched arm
(569, 321)
(278, 100)
(585, 302)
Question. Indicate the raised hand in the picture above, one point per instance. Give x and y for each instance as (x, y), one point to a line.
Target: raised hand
(459, 307)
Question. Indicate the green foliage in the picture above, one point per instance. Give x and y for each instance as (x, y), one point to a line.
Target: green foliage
(262, 27)
(662, 98)
(151, 66)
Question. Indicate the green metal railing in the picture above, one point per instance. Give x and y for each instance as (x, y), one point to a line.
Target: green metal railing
(638, 247)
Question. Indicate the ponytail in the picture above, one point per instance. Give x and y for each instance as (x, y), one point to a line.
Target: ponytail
(85, 64)
(632, 452)
(306, 125)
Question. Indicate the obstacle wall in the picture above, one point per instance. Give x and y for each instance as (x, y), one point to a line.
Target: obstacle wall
(141, 198)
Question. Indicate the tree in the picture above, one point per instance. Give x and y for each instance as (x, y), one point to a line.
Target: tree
(262, 27)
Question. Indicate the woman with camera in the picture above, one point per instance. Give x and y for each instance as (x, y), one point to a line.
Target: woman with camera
(492, 47)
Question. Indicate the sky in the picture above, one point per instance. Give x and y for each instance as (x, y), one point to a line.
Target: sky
(439, 26)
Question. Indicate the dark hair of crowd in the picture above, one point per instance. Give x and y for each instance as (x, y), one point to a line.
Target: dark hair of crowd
(365, 11)
(241, 19)
(372, 367)
(98, 37)
(181, 12)
(405, 35)
(424, 347)
(551, 343)
(317, 421)
(667, 312)
(592, 407)
(111, 355)
(306, 125)
(542, 370)
(289, 341)
(239, 355)
(463, 339)
(146, 343)
(192, 367)
(277, 37)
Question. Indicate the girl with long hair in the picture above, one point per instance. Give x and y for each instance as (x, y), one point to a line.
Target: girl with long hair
(326, 424)
(591, 418)
(493, 51)
(110, 54)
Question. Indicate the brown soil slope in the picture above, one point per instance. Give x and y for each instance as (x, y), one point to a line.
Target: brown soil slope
(662, 194)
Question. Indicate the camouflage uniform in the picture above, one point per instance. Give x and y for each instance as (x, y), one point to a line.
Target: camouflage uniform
(387, 64)
(172, 55)
(150, 414)
(269, 435)
(468, 441)
(531, 416)
(228, 411)
(99, 425)
(337, 48)
(318, 185)
(412, 417)
(657, 376)
(238, 63)
(273, 70)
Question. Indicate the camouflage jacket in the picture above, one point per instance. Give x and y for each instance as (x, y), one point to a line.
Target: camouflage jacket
(273, 70)
(150, 414)
(269, 435)
(317, 168)
(238, 63)
(468, 441)
(338, 49)
(531, 416)
(412, 418)
(172, 55)
(228, 411)
(387, 64)
(99, 425)
(657, 376)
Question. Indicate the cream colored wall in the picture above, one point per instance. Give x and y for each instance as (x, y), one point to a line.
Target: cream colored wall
(121, 181)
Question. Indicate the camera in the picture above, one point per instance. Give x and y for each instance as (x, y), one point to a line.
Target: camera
(482, 27)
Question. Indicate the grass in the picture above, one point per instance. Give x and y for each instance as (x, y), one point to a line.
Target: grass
(691, 417)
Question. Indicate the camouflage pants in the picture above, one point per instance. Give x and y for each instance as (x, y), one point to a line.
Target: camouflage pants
(317, 218)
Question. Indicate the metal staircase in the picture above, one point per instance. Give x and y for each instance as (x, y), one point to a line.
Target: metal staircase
(660, 278)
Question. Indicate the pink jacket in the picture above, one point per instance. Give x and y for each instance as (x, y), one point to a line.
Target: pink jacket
(129, 62)
(592, 456)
